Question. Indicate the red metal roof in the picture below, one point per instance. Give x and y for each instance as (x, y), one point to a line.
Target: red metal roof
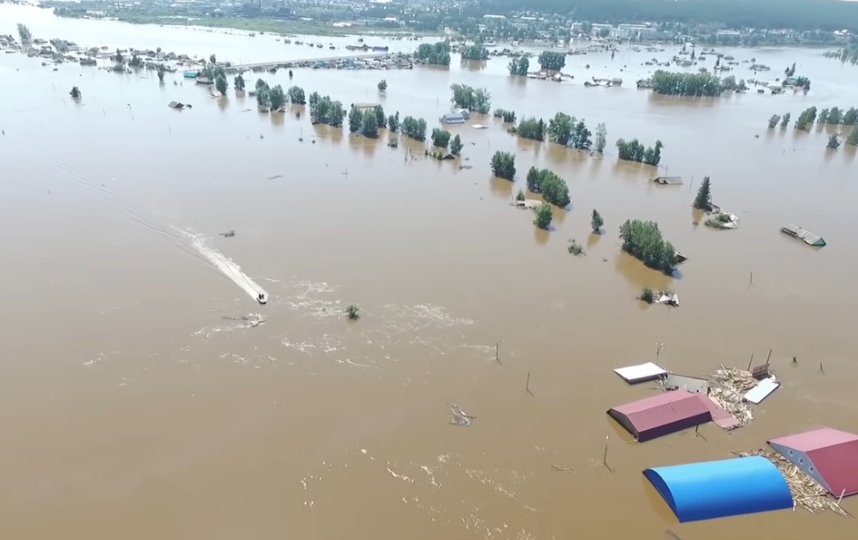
(663, 409)
(834, 453)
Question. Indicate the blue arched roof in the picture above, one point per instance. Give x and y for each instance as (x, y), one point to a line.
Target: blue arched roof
(714, 489)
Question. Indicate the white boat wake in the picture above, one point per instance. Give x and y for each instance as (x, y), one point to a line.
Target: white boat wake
(227, 267)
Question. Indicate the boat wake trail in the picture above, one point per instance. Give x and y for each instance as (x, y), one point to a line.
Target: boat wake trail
(226, 266)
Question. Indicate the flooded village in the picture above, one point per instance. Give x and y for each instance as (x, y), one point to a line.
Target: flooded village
(359, 292)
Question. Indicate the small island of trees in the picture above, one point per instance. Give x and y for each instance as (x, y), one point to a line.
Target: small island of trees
(519, 66)
(323, 110)
(530, 128)
(436, 53)
(503, 165)
(633, 150)
(686, 84)
(475, 52)
(551, 61)
(414, 128)
(643, 241)
(473, 99)
(367, 121)
(507, 116)
(553, 188)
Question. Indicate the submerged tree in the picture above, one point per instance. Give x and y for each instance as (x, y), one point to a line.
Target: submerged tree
(703, 200)
(369, 125)
(473, 99)
(355, 119)
(601, 137)
(773, 120)
(508, 117)
(834, 116)
(393, 122)
(596, 222)
(834, 142)
(519, 66)
(262, 94)
(238, 82)
(161, 71)
(352, 312)
(456, 145)
(75, 92)
(852, 138)
(277, 97)
(543, 216)
(414, 128)
(643, 240)
(24, 34)
(296, 95)
(221, 85)
(531, 128)
(552, 60)
(503, 165)
(553, 188)
(785, 120)
(382, 85)
(440, 138)
(560, 128)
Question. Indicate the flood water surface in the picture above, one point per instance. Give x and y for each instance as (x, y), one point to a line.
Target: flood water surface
(137, 403)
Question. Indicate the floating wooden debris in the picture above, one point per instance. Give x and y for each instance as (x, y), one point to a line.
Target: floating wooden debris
(460, 417)
(668, 297)
(805, 492)
(252, 321)
(228, 234)
(728, 387)
(668, 180)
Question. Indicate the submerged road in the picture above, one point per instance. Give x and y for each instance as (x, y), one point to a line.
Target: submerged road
(298, 61)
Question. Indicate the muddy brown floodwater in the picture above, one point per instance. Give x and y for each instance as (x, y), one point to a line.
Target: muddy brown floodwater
(132, 409)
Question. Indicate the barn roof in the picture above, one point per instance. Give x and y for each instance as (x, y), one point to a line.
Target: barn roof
(715, 489)
(663, 410)
(831, 452)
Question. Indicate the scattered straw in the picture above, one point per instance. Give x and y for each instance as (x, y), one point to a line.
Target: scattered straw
(805, 492)
(728, 387)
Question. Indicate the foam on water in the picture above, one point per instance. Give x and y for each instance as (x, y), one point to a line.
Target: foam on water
(226, 266)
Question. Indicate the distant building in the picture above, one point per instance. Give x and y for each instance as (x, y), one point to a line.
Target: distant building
(453, 118)
(487, 16)
(633, 31)
(596, 29)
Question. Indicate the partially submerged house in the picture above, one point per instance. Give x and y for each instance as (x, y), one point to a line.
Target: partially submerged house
(662, 414)
(668, 180)
(723, 488)
(827, 455)
(453, 118)
(804, 235)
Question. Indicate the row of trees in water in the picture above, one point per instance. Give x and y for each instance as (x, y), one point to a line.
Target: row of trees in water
(832, 117)
(633, 150)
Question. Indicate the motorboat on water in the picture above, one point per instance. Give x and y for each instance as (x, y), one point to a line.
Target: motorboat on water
(262, 298)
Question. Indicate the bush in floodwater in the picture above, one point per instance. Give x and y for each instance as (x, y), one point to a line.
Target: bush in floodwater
(352, 312)
(575, 248)
(647, 295)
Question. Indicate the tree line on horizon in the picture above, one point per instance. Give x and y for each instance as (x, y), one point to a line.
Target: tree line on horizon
(774, 14)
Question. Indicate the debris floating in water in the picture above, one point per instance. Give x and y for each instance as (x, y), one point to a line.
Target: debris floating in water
(253, 320)
(805, 492)
(460, 417)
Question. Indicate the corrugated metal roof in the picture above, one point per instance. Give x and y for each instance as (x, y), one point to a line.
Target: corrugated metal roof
(834, 453)
(814, 439)
(663, 409)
